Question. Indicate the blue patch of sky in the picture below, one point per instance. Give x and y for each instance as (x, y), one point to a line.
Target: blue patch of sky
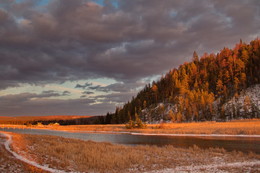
(45, 2)
(173, 13)
(38, 2)
(101, 2)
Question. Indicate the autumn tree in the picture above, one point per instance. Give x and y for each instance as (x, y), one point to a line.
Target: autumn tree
(155, 91)
(194, 86)
(247, 105)
(172, 116)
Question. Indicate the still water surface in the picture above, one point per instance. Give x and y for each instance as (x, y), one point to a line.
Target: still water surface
(244, 144)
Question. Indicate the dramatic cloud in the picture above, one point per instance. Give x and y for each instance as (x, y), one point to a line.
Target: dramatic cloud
(31, 96)
(66, 93)
(117, 98)
(87, 92)
(49, 93)
(127, 41)
(83, 86)
(30, 104)
(117, 87)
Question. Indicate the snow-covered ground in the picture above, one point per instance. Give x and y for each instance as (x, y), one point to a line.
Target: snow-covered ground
(247, 102)
(197, 135)
(212, 167)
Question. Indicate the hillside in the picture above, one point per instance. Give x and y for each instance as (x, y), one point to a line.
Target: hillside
(246, 104)
(212, 87)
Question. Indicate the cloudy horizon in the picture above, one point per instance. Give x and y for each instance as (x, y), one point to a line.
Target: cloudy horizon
(85, 57)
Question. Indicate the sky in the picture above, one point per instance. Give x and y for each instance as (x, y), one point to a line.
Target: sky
(85, 57)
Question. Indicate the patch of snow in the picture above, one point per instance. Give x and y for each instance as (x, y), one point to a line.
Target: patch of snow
(197, 135)
(236, 105)
(235, 108)
(207, 168)
(170, 134)
(157, 113)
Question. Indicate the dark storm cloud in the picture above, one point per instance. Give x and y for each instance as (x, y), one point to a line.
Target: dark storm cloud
(30, 104)
(97, 87)
(31, 96)
(87, 92)
(87, 84)
(49, 93)
(66, 93)
(117, 98)
(72, 40)
(117, 87)
(134, 39)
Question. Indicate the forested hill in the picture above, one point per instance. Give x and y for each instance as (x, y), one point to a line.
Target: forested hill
(199, 90)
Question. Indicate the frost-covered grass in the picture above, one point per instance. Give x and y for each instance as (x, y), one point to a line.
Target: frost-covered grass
(87, 156)
(8, 163)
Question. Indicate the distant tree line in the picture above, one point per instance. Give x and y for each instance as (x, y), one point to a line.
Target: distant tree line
(76, 121)
(195, 86)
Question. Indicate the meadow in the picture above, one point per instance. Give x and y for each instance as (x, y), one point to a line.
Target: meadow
(88, 156)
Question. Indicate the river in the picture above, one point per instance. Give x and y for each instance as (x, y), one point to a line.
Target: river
(243, 144)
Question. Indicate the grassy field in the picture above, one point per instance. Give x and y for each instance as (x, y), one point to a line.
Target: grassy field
(238, 127)
(87, 156)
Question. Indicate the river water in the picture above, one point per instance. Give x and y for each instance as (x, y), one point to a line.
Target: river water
(243, 144)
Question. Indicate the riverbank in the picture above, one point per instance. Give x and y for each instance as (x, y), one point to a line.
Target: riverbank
(236, 127)
(81, 156)
(9, 163)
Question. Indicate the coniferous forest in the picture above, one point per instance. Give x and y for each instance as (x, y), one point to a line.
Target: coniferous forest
(198, 90)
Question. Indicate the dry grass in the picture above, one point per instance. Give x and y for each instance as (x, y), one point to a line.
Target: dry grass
(10, 164)
(250, 127)
(88, 156)
(238, 127)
